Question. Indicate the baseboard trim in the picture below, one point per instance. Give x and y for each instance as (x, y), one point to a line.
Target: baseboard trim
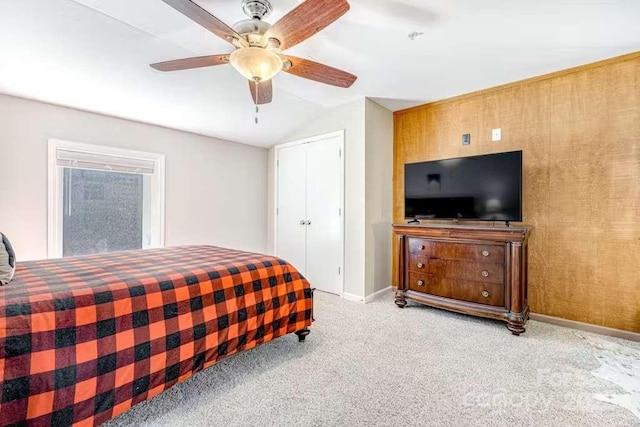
(602, 330)
(373, 296)
(367, 299)
(351, 297)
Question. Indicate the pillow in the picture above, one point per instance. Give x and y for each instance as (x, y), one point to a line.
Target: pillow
(7, 260)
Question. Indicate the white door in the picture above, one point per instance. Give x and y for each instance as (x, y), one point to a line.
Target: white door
(292, 194)
(309, 221)
(324, 216)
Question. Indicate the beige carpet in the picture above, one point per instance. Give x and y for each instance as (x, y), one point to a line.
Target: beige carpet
(377, 365)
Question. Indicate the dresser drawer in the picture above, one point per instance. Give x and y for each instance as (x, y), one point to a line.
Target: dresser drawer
(457, 251)
(463, 290)
(475, 271)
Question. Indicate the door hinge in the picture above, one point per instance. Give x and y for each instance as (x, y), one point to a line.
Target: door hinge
(339, 271)
(277, 211)
(277, 163)
(340, 153)
(339, 211)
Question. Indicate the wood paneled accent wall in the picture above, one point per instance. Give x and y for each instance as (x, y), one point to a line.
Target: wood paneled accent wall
(579, 130)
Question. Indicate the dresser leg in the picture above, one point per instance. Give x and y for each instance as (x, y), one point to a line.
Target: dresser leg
(516, 329)
(401, 301)
(516, 321)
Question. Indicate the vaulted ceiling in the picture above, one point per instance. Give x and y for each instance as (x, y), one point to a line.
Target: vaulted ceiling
(94, 55)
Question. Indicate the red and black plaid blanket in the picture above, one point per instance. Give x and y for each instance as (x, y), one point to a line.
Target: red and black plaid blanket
(83, 339)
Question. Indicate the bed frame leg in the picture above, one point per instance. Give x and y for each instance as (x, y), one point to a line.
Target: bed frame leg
(303, 334)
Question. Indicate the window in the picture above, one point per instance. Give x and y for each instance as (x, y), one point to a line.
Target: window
(103, 199)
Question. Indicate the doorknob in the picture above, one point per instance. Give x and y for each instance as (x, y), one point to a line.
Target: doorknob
(308, 222)
(303, 222)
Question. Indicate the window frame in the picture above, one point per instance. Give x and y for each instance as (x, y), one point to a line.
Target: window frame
(55, 192)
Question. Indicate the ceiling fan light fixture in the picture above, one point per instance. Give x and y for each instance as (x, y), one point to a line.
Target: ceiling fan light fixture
(256, 64)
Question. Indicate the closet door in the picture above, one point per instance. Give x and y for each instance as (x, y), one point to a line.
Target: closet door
(324, 218)
(292, 195)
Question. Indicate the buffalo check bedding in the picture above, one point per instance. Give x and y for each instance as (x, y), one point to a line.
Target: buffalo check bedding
(83, 339)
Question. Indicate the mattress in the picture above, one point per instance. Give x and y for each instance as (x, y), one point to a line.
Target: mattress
(83, 339)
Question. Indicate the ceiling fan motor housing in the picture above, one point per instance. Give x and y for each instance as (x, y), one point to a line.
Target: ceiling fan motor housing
(256, 9)
(254, 28)
(253, 31)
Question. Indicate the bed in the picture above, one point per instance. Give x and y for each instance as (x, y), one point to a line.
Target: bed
(83, 339)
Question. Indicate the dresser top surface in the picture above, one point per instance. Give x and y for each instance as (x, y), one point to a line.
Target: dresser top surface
(519, 228)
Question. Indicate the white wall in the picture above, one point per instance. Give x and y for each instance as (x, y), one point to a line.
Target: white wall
(351, 118)
(215, 190)
(379, 197)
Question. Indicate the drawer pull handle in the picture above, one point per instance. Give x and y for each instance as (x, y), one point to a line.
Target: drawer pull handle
(422, 247)
(485, 273)
(485, 294)
(485, 253)
(420, 282)
(420, 265)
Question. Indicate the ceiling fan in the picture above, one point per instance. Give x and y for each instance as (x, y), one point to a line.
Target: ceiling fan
(259, 44)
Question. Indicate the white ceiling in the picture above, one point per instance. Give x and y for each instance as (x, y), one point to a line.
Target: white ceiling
(94, 55)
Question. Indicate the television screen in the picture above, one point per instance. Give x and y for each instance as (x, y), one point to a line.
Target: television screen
(487, 188)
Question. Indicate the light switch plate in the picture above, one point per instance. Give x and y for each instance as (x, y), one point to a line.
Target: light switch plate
(466, 139)
(496, 135)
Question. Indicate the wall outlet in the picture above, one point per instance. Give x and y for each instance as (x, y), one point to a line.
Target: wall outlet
(466, 139)
(496, 135)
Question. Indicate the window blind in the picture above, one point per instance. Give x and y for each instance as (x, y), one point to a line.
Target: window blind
(103, 162)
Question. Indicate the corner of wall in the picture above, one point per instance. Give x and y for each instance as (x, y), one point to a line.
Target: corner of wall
(378, 197)
(271, 200)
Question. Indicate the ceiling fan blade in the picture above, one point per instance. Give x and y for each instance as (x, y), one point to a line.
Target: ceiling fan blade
(307, 19)
(318, 72)
(263, 93)
(204, 18)
(189, 63)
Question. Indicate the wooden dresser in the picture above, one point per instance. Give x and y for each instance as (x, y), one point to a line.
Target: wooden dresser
(477, 270)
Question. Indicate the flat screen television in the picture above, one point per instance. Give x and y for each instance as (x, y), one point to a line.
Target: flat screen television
(485, 188)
